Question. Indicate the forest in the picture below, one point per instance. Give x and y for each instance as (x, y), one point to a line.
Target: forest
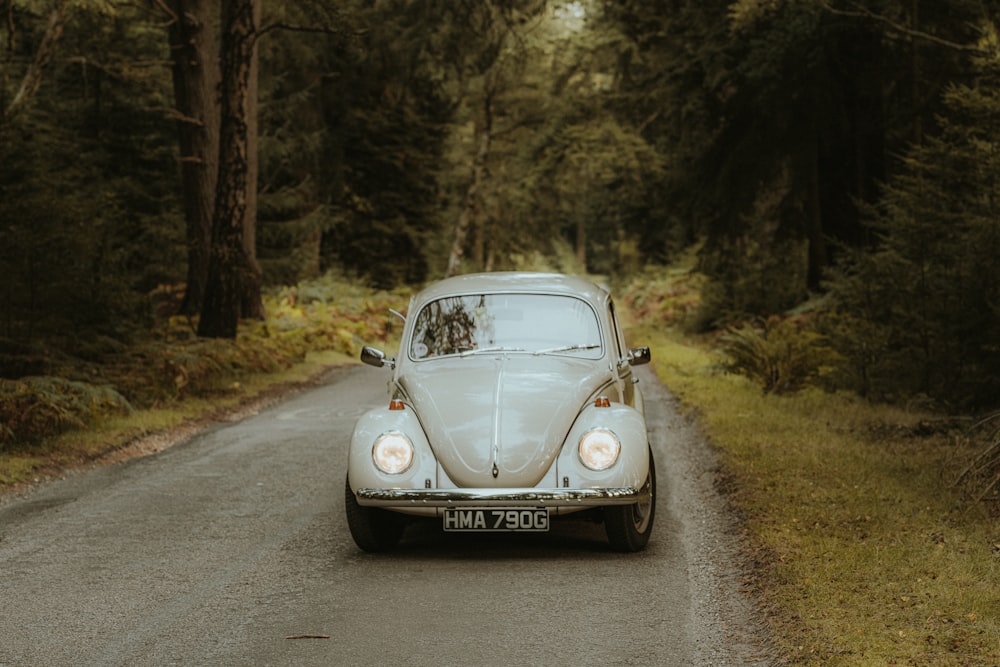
(827, 168)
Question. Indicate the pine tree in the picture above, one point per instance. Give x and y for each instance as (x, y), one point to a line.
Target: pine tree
(926, 299)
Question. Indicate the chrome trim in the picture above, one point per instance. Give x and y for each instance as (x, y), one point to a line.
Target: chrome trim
(510, 497)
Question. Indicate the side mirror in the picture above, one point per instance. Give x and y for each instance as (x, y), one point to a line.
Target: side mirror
(376, 358)
(638, 356)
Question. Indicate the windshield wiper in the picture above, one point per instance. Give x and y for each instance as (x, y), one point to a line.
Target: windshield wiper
(567, 348)
(486, 350)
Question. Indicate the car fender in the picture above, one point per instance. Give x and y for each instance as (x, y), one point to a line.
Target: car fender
(632, 467)
(361, 470)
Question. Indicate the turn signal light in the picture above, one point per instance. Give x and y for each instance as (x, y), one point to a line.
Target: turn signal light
(602, 402)
(396, 405)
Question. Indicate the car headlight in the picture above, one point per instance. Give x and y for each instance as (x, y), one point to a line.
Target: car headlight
(599, 449)
(392, 453)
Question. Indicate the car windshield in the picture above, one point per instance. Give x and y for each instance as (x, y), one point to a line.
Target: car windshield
(534, 323)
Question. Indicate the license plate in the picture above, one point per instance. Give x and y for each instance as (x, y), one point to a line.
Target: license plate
(496, 519)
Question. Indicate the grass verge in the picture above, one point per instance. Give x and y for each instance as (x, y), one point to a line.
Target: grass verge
(149, 430)
(99, 399)
(865, 551)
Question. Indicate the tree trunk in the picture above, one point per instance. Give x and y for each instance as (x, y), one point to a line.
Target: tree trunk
(251, 304)
(194, 51)
(471, 203)
(43, 56)
(230, 273)
(818, 258)
(918, 127)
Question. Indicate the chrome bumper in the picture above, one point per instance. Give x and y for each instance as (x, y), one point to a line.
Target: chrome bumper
(516, 497)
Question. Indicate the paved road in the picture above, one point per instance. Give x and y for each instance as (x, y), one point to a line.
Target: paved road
(232, 549)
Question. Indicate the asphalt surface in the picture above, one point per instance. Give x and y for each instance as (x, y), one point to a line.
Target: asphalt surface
(232, 549)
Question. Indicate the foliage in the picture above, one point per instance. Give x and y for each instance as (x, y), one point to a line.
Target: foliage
(171, 364)
(384, 117)
(753, 275)
(88, 190)
(759, 131)
(782, 356)
(332, 314)
(666, 297)
(862, 551)
(924, 301)
(560, 258)
(33, 408)
(776, 119)
(559, 166)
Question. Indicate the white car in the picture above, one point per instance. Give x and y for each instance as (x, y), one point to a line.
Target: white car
(511, 403)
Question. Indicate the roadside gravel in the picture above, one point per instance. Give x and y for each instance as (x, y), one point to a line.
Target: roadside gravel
(727, 625)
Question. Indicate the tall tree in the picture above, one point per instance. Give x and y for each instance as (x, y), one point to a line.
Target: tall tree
(472, 202)
(489, 69)
(194, 53)
(251, 304)
(779, 118)
(386, 104)
(233, 281)
(78, 257)
(924, 301)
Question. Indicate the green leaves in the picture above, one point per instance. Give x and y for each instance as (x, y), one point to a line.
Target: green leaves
(34, 407)
(171, 364)
(782, 357)
(929, 288)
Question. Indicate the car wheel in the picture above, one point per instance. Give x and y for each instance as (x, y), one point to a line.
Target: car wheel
(373, 529)
(629, 526)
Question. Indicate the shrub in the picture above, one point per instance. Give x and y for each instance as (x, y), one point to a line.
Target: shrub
(665, 297)
(32, 408)
(782, 356)
(169, 362)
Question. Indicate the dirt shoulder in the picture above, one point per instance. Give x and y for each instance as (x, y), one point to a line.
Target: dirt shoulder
(161, 439)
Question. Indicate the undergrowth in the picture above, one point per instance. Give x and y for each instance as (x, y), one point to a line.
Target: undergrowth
(784, 355)
(865, 544)
(170, 363)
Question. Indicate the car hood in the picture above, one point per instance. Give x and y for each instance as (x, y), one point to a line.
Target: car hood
(511, 412)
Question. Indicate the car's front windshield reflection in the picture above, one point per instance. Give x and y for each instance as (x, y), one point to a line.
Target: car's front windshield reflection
(535, 323)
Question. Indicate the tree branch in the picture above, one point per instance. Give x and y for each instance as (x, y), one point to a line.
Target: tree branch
(175, 114)
(263, 30)
(911, 33)
(167, 10)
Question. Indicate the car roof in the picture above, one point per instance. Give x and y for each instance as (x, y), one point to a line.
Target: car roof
(514, 281)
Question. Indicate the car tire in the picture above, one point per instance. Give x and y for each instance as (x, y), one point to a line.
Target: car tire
(629, 526)
(373, 529)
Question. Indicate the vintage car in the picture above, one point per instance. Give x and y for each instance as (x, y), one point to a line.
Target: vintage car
(511, 403)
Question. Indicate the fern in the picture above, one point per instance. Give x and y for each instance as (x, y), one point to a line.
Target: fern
(782, 357)
(33, 408)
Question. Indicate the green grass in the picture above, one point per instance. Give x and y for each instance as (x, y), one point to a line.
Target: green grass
(84, 407)
(865, 551)
(53, 456)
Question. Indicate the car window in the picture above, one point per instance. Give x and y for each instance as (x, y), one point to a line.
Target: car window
(533, 323)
